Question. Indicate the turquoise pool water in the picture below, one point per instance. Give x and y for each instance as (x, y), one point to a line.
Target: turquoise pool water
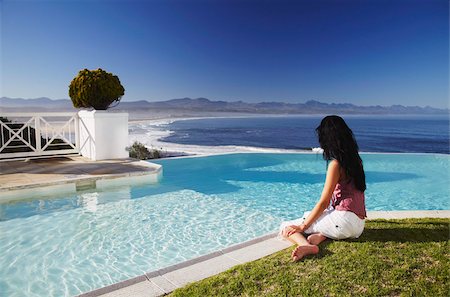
(64, 246)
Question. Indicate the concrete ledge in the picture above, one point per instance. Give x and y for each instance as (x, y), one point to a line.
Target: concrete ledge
(175, 276)
(65, 175)
(129, 283)
(165, 280)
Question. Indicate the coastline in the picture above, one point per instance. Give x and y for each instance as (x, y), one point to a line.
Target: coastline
(149, 133)
(150, 129)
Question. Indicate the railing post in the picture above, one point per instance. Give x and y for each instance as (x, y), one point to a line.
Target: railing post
(37, 127)
(77, 132)
(3, 136)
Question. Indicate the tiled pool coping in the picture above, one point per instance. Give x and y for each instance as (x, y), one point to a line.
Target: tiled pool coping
(163, 281)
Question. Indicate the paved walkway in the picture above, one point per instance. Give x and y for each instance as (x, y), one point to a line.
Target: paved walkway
(76, 171)
(163, 281)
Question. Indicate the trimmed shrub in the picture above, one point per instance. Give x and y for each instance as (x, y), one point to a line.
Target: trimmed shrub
(139, 151)
(95, 88)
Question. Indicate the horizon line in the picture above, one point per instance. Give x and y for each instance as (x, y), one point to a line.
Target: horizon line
(212, 100)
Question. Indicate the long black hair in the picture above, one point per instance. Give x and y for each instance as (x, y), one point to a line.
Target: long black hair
(338, 142)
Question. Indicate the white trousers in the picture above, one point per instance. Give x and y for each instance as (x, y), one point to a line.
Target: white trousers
(334, 224)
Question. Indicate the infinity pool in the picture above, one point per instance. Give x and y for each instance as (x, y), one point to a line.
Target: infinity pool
(64, 246)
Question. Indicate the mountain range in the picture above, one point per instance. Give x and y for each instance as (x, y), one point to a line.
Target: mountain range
(206, 105)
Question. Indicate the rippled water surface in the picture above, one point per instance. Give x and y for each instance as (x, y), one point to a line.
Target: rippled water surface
(63, 246)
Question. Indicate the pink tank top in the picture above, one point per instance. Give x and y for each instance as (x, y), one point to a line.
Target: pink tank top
(347, 197)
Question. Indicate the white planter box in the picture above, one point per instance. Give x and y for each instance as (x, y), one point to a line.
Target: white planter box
(103, 134)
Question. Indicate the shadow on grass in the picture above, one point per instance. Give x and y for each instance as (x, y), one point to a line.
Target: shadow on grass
(406, 234)
(407, 230)
(324, 251)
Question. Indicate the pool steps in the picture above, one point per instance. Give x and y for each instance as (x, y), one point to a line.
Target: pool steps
(21, 181)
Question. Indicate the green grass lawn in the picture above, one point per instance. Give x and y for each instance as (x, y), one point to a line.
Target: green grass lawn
(392, 258)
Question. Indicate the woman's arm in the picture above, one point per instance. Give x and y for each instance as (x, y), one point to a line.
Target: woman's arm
(333, 175)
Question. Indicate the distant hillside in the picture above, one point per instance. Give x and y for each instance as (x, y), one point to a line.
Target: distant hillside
(206, 105)
(37, 104)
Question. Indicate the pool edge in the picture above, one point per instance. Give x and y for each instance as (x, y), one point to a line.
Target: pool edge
(150, 173)
(165, 280)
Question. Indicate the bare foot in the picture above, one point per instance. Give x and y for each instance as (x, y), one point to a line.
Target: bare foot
(304, 250)
(316, 238)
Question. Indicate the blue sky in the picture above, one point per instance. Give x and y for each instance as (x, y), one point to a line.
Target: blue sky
(361, 52)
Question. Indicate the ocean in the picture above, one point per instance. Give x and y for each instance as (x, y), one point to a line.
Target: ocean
(374, 133)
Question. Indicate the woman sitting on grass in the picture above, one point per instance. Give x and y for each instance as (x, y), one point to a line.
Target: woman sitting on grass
(344, 187)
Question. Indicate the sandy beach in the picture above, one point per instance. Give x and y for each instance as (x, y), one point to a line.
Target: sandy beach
(151, 131)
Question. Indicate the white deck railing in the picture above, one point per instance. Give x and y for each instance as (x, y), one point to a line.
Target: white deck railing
(38, 134)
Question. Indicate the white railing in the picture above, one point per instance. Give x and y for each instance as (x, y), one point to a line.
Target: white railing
(38, 134)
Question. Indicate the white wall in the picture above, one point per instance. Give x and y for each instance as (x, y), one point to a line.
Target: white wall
(103, 134)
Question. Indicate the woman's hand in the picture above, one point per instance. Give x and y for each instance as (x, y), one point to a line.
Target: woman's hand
(289, 230)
